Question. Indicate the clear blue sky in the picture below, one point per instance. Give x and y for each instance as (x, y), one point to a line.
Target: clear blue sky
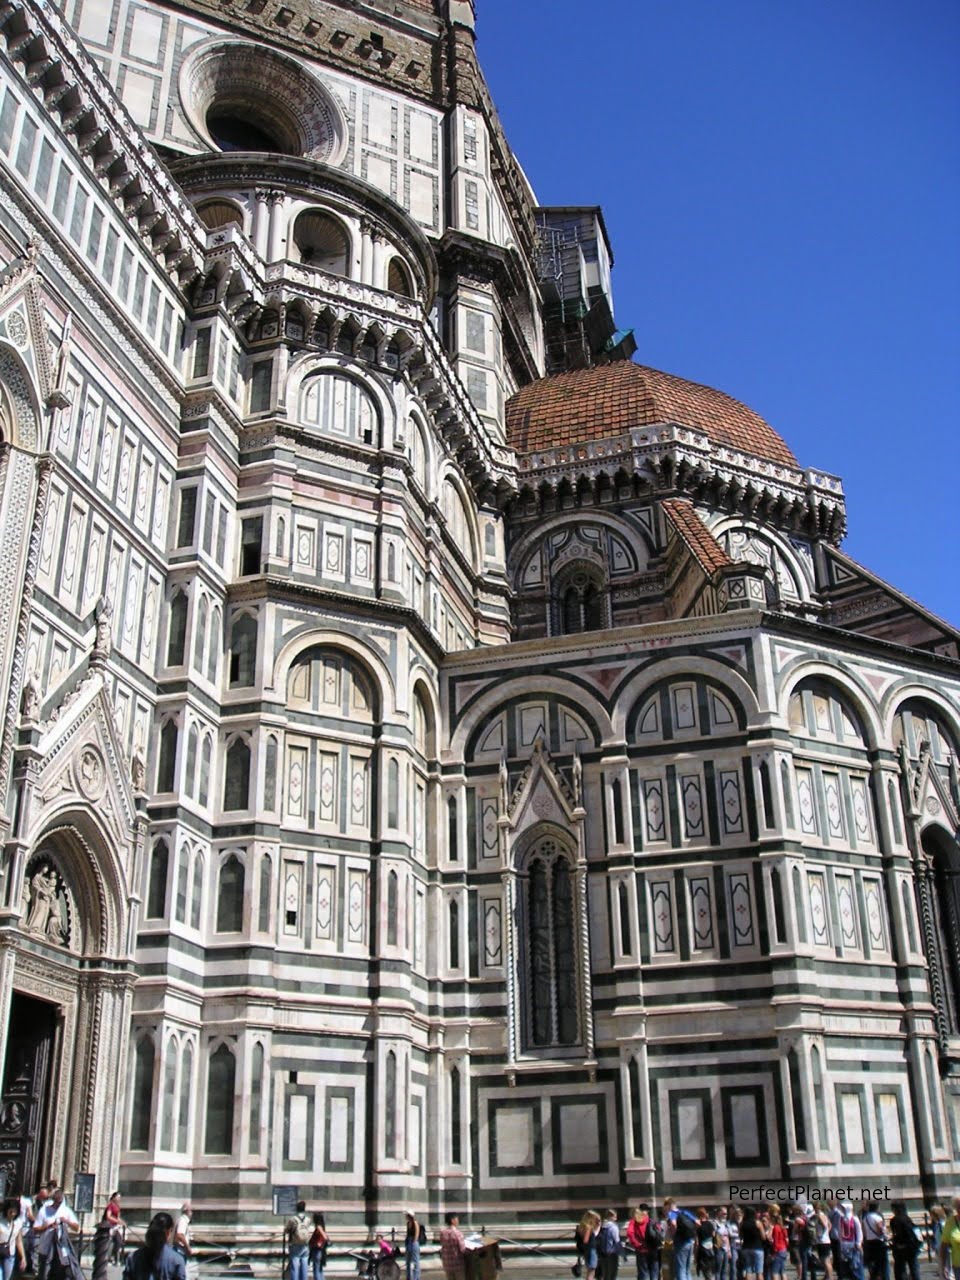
(781, 182)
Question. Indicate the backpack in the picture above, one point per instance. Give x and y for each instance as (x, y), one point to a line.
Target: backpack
(807, 1234)
(685, 1228)
(422, 1237)
(654, 1235)
(302, 1229)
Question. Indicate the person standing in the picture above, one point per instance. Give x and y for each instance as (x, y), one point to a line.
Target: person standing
(181, 1231)
(317, 1248)
(950, 1243)
(55, 1215)
(411, 1248)
(875, 1242)
(683, 1228)
(299, 1229)
(608, 1247)
(452, 1248)
(646, 1239)
(156, 1259)
(906, 1245)
(722, 1254)
(850, 1238)
(588, 1228)
(751, 1246)
(11, 1238)
(118, 1228)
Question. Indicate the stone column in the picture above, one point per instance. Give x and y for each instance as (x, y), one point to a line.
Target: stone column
(276, 234)
(261, 218)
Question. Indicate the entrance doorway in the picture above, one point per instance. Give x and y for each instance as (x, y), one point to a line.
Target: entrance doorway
(25, 1095)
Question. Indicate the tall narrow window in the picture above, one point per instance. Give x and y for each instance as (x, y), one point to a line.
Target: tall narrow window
(787, 792)
(230, 896)
(142, 1101)
(216, 640)
(779, 918)
(796, 1097)
(266, 894)
(636, 1107)
(187, 522)
(221, 1084)
(200, 638)
(453, 833)
(157, 888)
(580, 602)
(818, 1099)
(456, 1142)
(393, 793)
(270, 775)
(177, 630)
(206, 755)
(186, 1093)
(243, 652)
(894, 802)
(256, 1097)
(236, 779)
(190, 771)
(196, 892)
(906, 897)
(617, 799)
(453, 916)
(623, 908)
(183, 876)
(799, 904)
(766, 794)
(390, 1107)
(261, 377)
(251, 540)
(167, 764)
(392, 908)
(551, 951)
(168, 1106)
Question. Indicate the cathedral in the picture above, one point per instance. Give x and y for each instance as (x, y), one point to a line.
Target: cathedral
(445, 763)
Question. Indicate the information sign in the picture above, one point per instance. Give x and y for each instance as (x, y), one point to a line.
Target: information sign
(285, 1201)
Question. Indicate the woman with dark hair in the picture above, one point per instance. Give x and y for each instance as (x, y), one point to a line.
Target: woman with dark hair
(156, 1259)
(11, 1238)
(317, 1249)
(906, 1244)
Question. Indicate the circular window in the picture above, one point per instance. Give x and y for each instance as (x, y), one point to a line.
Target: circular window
(243, 97)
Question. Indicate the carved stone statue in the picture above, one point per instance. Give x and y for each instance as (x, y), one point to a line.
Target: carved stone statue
(504, 785)
(577, 778)
(43, 916)
(30, 699)
(138, 772)
(104, 620)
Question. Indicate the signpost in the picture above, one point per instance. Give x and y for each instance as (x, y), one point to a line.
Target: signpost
(83, 1200)
(285, 1206)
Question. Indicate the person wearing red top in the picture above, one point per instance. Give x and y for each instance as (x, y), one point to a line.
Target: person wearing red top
(779, 1243)
(118, 1228)
(646, 1249)
(452, 1248)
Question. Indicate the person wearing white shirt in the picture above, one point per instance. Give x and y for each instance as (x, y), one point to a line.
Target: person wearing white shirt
(11, 1238)
(48, 1219)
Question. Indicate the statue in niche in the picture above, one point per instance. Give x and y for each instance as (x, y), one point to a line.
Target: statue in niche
(104, 624)
(42, 906)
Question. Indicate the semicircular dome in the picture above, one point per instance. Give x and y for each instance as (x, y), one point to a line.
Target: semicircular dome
(597, 404)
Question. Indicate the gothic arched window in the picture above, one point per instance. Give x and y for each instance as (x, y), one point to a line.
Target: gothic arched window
(390, 1107)
(236, 778)
(177, 630)
(230, 896)
(393, 910)
(167, 1111)
(196, 892)
(243, 652)
(322, 242)
(186, 1093)
(550, 965)
(167, 764)
(221, 1082)
(580, 600)
(266, 893)
(157, 886)
(142, 1101)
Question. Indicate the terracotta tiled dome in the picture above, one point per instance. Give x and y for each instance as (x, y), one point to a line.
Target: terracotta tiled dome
(594, 404)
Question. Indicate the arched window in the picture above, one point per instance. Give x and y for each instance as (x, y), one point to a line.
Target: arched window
(266, 893)
(390, 1107)
(190, 772)
(800, 905)
(236, 776)
(169, 1103)
(453, 933)
(906, 898)
(186, 1093)
(636, 1106)
(796, 1097)
(221, 1084)
(393, 893)
(617, 800)
(393, 793)
(330, 683)
(142, 1100)
(766, 795)
(196, 892)
(787, 786)
(551, 1017)
(256, 1097)
(230, 896)
(917, 722)
(216, 639)
(623, 909)
(423, 735)
(243, 652)
(459, 524)
(338, 406)
(580, 601)
(779, 918)
(398, 279)
(321, 241)
(215, 214)
(456, 1141)
(820, 709)
(167, 763)
(177, 630)
(816, 1070)
(418, 453)
(157, 886)
(200, 639)
(206, 755)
